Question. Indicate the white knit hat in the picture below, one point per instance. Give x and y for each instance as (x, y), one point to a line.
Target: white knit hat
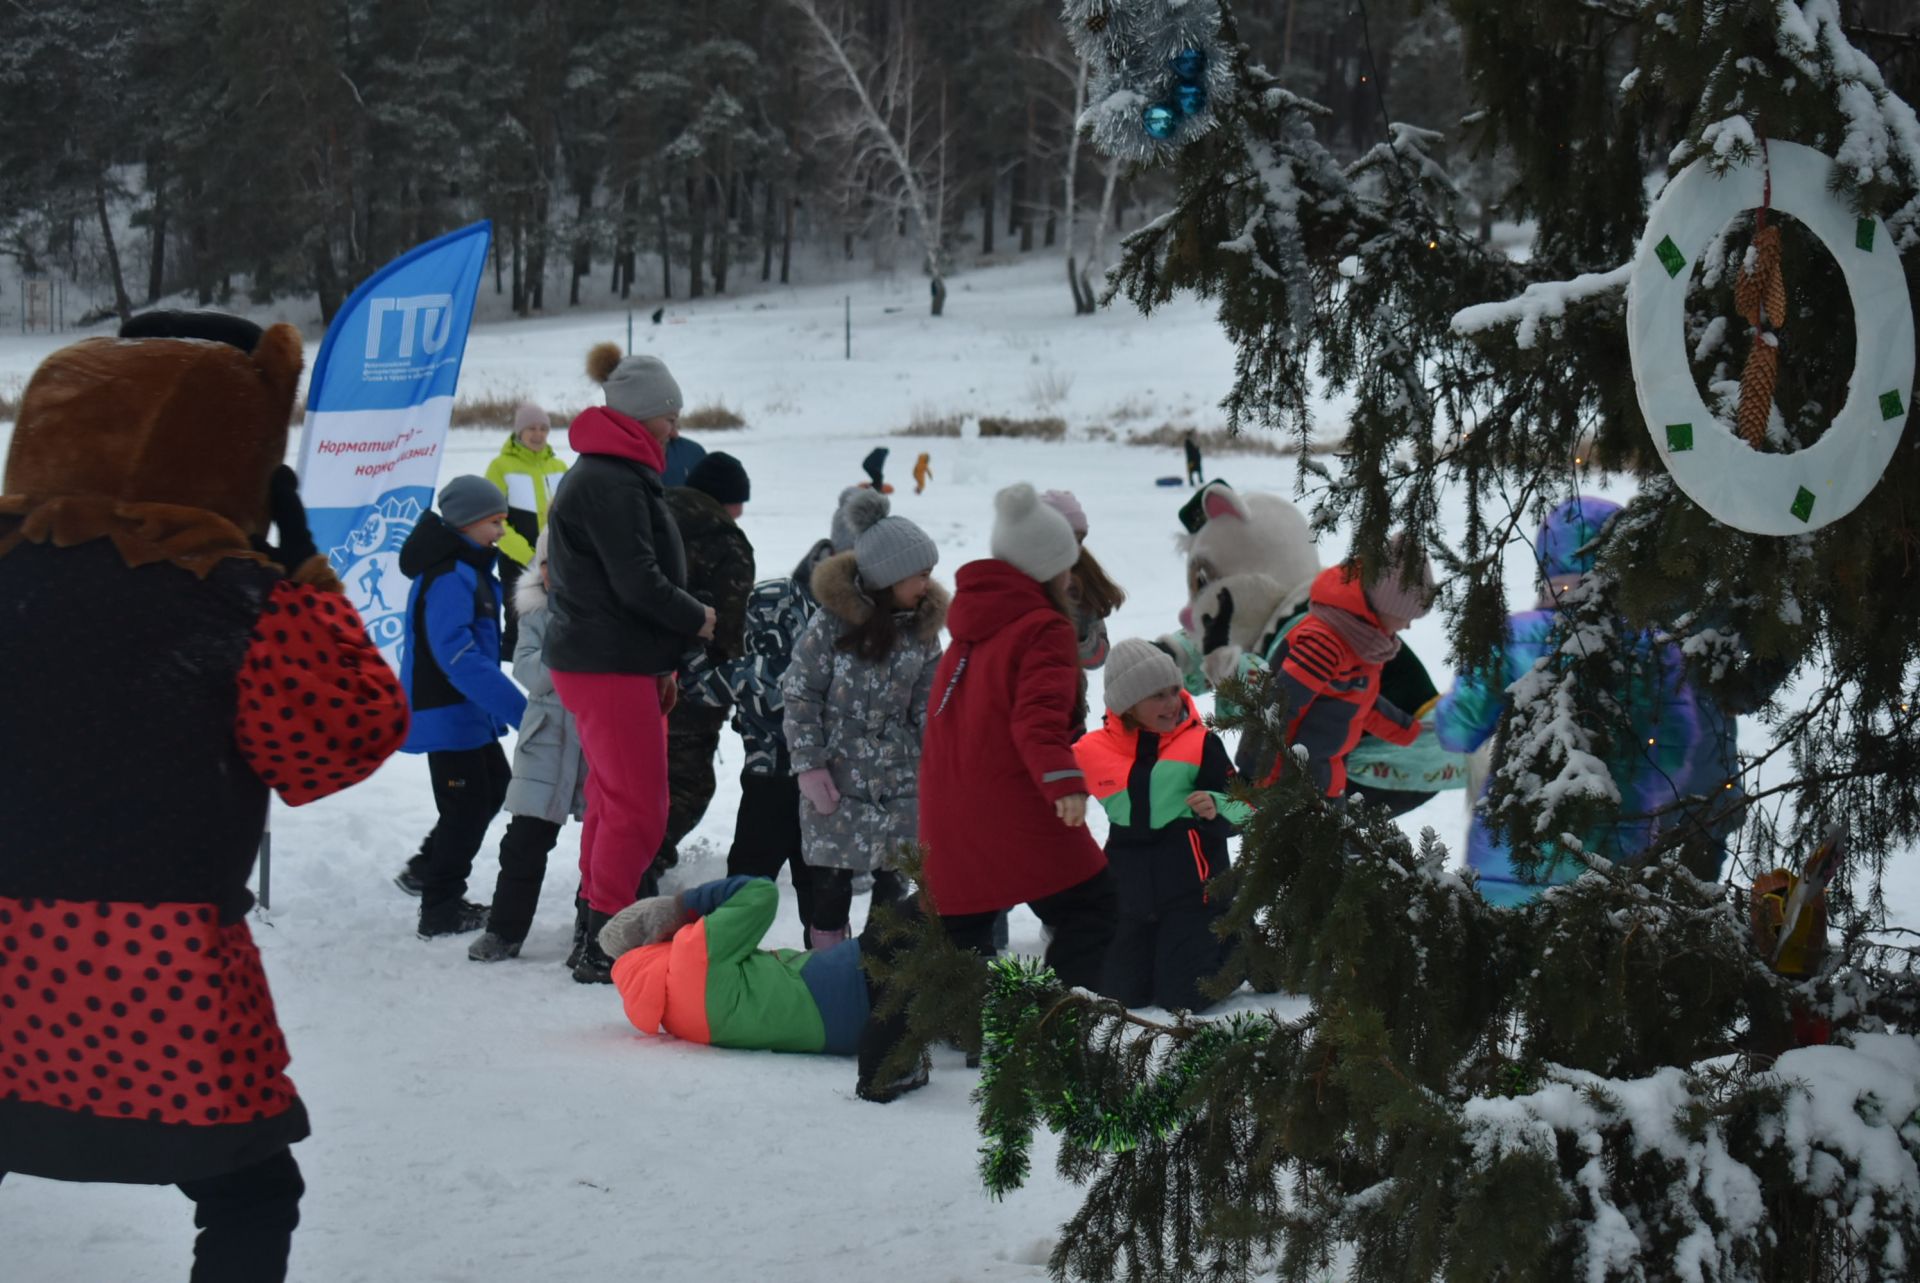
(1136, 669)
(1031, 536)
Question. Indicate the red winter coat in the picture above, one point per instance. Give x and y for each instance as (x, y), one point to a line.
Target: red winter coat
(999, 749)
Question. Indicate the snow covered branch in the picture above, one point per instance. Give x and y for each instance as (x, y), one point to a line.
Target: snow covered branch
(1543, 301)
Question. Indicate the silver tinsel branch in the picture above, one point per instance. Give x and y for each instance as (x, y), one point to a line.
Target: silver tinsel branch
(1160, 72)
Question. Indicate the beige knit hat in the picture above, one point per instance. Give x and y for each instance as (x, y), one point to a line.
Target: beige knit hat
(1134, 670)
(1031, 536)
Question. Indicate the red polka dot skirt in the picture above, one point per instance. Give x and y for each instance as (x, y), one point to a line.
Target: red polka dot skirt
(150, 1011)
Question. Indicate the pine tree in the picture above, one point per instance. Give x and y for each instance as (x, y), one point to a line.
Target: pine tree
(1604, 1084)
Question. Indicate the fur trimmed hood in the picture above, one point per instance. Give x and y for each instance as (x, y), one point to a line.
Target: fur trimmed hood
(529, 594)
(837, 587)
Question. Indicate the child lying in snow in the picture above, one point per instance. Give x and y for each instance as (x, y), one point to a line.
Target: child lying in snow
(692, 964)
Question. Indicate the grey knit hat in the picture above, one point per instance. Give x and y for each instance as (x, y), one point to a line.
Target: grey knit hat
(465, 500)
(1136, 669)
(845, 531)
(1030, 535)
(1389, 596)
(641, 387)
(886, 549)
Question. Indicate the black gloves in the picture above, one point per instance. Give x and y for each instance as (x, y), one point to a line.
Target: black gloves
(290, 520)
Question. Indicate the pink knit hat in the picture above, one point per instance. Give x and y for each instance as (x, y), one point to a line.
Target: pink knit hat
(1389, 596)
(528, 415)
(1063, 502)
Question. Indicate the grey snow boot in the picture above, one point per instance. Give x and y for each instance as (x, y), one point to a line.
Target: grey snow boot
(492, 947)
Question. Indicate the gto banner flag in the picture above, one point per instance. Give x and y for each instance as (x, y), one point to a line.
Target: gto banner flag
(378, 405)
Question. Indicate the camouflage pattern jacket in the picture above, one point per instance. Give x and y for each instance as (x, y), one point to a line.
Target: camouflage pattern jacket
(720, 574)
(777, 613)
(862, 720)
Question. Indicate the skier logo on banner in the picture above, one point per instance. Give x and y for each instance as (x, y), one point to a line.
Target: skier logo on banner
(368, 564)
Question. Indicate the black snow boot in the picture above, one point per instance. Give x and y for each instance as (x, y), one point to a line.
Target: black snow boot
(886, 1093)
(594, 967)
(451, 918)
(580, 912)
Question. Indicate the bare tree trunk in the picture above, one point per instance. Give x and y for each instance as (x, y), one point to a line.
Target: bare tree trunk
(1082, 305)
(723, 239)
(786, 237)
(766, 238)
(537, 249)
(156, 233)
(986, 215)
(629, 254)
(121, 303)
(1097, 257)
(696, 236)
(582, 243)
(666, 247)
(519, 275)
(930, 220)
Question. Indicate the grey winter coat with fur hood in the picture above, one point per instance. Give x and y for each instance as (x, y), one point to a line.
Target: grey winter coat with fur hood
(549, 768)
(861, 720)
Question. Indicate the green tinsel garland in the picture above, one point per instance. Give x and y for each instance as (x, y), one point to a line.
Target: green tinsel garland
(1016, 989)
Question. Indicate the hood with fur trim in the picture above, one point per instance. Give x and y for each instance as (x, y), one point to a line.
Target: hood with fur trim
(837, 587)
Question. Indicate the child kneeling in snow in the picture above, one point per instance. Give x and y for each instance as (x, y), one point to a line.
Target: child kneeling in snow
(1162, 777)
(692, 964)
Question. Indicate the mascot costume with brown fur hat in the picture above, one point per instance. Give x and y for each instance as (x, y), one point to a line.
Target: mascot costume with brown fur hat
(162, 667)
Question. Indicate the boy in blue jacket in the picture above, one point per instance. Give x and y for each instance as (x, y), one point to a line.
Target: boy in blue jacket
(462, 702)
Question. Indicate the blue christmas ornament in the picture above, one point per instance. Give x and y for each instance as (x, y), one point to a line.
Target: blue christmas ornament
(1188, 64)
(1159, 121)
(1190, 98)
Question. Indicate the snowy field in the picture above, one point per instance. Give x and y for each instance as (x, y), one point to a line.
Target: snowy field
(503, 1123)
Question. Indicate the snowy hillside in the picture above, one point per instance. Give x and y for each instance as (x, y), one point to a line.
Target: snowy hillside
(503, 1123)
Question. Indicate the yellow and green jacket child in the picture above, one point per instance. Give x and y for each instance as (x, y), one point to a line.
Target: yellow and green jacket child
(1162, 778)
(524, 469)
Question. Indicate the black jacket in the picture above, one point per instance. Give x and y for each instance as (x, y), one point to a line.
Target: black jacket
(619, 602)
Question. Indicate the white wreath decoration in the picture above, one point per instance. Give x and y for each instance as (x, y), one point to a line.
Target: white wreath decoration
(1770, 494)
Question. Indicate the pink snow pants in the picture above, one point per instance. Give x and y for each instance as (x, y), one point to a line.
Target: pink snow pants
(624, 736)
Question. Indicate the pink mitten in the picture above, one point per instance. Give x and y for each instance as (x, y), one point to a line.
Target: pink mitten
(817, 787)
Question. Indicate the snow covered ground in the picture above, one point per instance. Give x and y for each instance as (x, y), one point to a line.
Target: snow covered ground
(503, 1123)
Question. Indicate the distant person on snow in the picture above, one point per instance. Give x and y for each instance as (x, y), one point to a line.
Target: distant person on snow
(856, 703)
(549, 784)
(922, 472)
(875, 466)
(462, 702)
(163, 666)
(719, 574)
(524, 469)
(1162, 777)
(622, 625)
(1195, 475)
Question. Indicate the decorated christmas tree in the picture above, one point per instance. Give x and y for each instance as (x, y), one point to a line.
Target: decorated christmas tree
(1629, 1076)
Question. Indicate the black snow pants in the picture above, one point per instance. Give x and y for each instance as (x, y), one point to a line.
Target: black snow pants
(246, 1220)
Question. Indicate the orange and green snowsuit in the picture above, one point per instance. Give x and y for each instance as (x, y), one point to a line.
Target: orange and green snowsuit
(1162, 854)
(713, 982)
